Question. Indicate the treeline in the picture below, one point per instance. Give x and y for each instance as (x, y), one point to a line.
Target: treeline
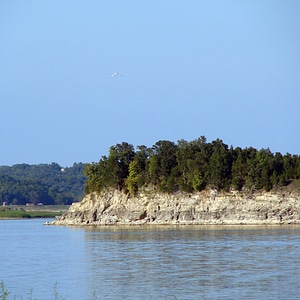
(43, 183)
(190, 166)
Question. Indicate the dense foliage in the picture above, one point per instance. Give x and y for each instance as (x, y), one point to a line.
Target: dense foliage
(43, 183)
(190, 166)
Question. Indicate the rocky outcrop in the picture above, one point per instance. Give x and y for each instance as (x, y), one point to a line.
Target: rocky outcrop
(208, 207)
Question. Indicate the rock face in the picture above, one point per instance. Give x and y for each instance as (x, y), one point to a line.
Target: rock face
(208, 207)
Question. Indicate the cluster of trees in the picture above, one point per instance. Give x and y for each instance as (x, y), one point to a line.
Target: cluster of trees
(42, 183)
(190, 166)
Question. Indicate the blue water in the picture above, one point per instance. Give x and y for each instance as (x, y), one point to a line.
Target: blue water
(163, 262)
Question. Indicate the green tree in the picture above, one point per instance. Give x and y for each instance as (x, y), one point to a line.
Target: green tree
(154, 169)
(219, 165)
(132, 181)
(265, 160)
(193, 159)
(252, 178)
(277, 178)
(239, 169)
(189, 166)
(118, 162)
(138, 174)
(162, 161)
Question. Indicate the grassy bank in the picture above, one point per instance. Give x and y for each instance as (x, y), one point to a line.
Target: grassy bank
(23, 213)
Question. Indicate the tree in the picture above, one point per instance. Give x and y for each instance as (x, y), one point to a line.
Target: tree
(97, 176)
(162, 161)
(219, 165)
(238, 169)
(277, 166)
(288, 166)
(252, 178)
(138, 170)
(265, 159)
(154, 169)
(184, 155)
(132, 180)
(190, 166)
(45, 183)
(118, 162)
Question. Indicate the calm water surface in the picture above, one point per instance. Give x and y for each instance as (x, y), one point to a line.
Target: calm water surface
(162, 262)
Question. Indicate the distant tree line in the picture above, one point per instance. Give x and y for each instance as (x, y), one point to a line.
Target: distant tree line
(190, 166)
(42, 183)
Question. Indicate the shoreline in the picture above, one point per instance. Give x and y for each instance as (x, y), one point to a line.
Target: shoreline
(22, 212)
(203, 208)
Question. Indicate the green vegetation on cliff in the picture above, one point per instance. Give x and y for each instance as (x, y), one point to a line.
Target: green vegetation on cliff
(190, 166)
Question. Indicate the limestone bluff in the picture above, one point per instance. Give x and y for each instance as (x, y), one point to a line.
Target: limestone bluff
(207, 207)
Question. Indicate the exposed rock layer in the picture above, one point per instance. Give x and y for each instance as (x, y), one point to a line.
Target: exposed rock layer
(208, 207)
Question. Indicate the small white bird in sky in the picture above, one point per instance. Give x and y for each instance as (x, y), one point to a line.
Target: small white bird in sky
(116, 74)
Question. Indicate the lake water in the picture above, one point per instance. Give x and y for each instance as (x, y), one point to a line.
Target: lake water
(158, 262)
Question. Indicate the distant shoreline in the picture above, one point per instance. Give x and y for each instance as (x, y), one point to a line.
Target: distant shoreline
(21, 212)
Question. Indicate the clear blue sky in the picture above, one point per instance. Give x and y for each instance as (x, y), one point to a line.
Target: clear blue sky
(222, 69)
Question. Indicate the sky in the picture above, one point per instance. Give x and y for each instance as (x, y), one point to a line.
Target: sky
(226, 70)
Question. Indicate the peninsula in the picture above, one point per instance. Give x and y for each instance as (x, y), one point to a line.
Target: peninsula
(207, 207)
(189, 183)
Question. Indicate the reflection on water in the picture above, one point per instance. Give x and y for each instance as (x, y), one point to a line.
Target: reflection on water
(194, 262)
(151, 262)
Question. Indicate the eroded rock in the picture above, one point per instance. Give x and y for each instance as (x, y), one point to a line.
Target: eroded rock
(208, 207)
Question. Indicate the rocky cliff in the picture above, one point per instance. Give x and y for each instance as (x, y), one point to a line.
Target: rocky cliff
(207, 207)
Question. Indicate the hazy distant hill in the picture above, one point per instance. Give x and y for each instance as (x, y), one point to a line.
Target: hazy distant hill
(42, 183)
